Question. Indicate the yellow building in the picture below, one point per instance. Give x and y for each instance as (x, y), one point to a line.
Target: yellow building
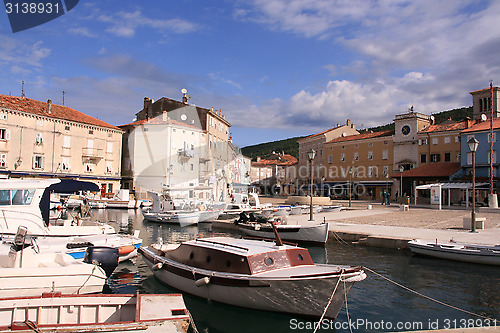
(45, 140)
(317, 142)
(440, 142)
(365, 160)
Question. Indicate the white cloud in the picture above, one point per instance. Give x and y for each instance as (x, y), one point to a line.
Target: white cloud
(125, 24)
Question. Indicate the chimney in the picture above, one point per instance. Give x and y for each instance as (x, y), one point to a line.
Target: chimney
(49, 106)
(348, 122)
(468, 122)
(258, 158)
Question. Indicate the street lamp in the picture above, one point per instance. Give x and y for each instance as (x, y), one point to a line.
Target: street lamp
(401, 169)
(311, 153)
(473, 143)
(387, 188)
(350, 180)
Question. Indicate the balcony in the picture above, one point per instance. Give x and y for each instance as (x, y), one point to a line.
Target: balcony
(185, 153)
(92, 153)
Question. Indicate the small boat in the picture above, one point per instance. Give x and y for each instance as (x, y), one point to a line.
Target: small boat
(253, 274)
(332, 208)
(478, 254)
(177, 217)
(24, 271)
(317, 233)
(56, 312)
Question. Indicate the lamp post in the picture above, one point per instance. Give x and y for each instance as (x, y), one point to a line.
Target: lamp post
(401, 169)
(310, 154)
(387, 188)
(350, 180)
(473, 143)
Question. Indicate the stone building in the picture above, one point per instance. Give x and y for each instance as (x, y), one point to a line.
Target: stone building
(45, 140)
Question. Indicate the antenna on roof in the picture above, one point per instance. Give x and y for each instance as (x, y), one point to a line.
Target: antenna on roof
(64, 93)
(22, 89)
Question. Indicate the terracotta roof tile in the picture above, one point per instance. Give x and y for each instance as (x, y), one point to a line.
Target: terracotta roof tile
(483, 126)
(431, 170)
(32, 106)
(281, 160)
(326, 131)
(159, 121)
(362, 136)
(443, 127)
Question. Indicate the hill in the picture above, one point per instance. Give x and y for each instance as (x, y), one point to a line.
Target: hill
(290, 146)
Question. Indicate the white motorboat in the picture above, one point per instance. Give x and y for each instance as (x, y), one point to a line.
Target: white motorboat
(177, 217)
(478, 254)
(54, 312)
(332, 208)
(316, 233)
(26, 272)
(25, 202)
(253, 274)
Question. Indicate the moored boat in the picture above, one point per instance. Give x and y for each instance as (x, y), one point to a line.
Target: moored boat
(54, 312)
(253, 274)
(478, 254)
(316, 233)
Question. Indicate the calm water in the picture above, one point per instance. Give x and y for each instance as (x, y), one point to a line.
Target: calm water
(374, 305)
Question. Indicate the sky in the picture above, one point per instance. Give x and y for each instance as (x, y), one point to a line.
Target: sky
(276, 68)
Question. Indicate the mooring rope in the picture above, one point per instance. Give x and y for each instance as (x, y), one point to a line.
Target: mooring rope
(427, 297)
(191, 321)
(329, 302)
(347, 308)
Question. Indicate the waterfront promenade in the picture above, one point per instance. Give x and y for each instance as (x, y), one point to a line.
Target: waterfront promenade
(387, 226)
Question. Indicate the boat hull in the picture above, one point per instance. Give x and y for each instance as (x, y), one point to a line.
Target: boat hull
(305, 296)
(458, 252)
(298, 233)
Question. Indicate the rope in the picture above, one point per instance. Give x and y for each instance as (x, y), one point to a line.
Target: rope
(191, 321)
(427, 297)
(347, 308)
(329, 302)
(88, 278)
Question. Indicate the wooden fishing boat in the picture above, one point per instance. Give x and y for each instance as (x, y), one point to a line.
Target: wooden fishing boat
(53, 312)
(253, 274)
(478, 254)
(316, 233)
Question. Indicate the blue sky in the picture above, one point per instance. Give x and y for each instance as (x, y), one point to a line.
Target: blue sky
(276, 68)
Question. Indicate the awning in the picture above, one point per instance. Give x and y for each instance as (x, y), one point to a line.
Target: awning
(461, 185)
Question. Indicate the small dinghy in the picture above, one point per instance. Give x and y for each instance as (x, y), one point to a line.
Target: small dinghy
(478, 254)
(53, 312)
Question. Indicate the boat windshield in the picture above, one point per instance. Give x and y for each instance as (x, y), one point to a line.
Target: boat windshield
(16, 197)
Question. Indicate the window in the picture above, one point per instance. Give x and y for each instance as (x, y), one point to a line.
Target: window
(435, 157)
(370, 171)
(435, 141)
(469, 157)
(447, 157)
(91, 132)
(356, 156)
(330, 159)
(65, 166)
(370, 155)
(423, 158)
(192, 166)
(89, 167)
(67, 128)
(386, 170)
(385, 154)
(342, 157)
(493, 156)
(4, 134)
(386, 142)
(370, 144)
(494, 137)
(38, 139)
(356, 146)
(343, 147)
(38, 161)
(3, 160)
(66, 141)
(422, 142)
(457, 139)
(21, 197)
(109, 147)
(447, 139)
(109, 167)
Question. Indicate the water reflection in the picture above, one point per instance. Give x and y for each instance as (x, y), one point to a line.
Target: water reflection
(371, 302)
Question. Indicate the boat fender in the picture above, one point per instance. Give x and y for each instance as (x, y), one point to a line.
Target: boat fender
(126, 249)
(202, 282)
(355, 278)
(257, 227)
(157, 266)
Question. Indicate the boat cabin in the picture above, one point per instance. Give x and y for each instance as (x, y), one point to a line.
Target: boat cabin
(234, 256)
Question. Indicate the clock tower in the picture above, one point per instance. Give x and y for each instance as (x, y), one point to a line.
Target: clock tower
(407, 125)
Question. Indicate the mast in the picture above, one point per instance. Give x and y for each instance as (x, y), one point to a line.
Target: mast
(491, 137)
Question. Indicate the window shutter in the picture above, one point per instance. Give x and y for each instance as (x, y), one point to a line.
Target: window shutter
(7, 135)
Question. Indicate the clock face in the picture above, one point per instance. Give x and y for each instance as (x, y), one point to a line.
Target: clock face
(405, 130)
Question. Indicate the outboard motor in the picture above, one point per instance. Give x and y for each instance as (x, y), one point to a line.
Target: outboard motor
(104, 256)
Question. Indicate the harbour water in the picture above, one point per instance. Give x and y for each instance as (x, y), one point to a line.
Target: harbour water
(373, 305)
